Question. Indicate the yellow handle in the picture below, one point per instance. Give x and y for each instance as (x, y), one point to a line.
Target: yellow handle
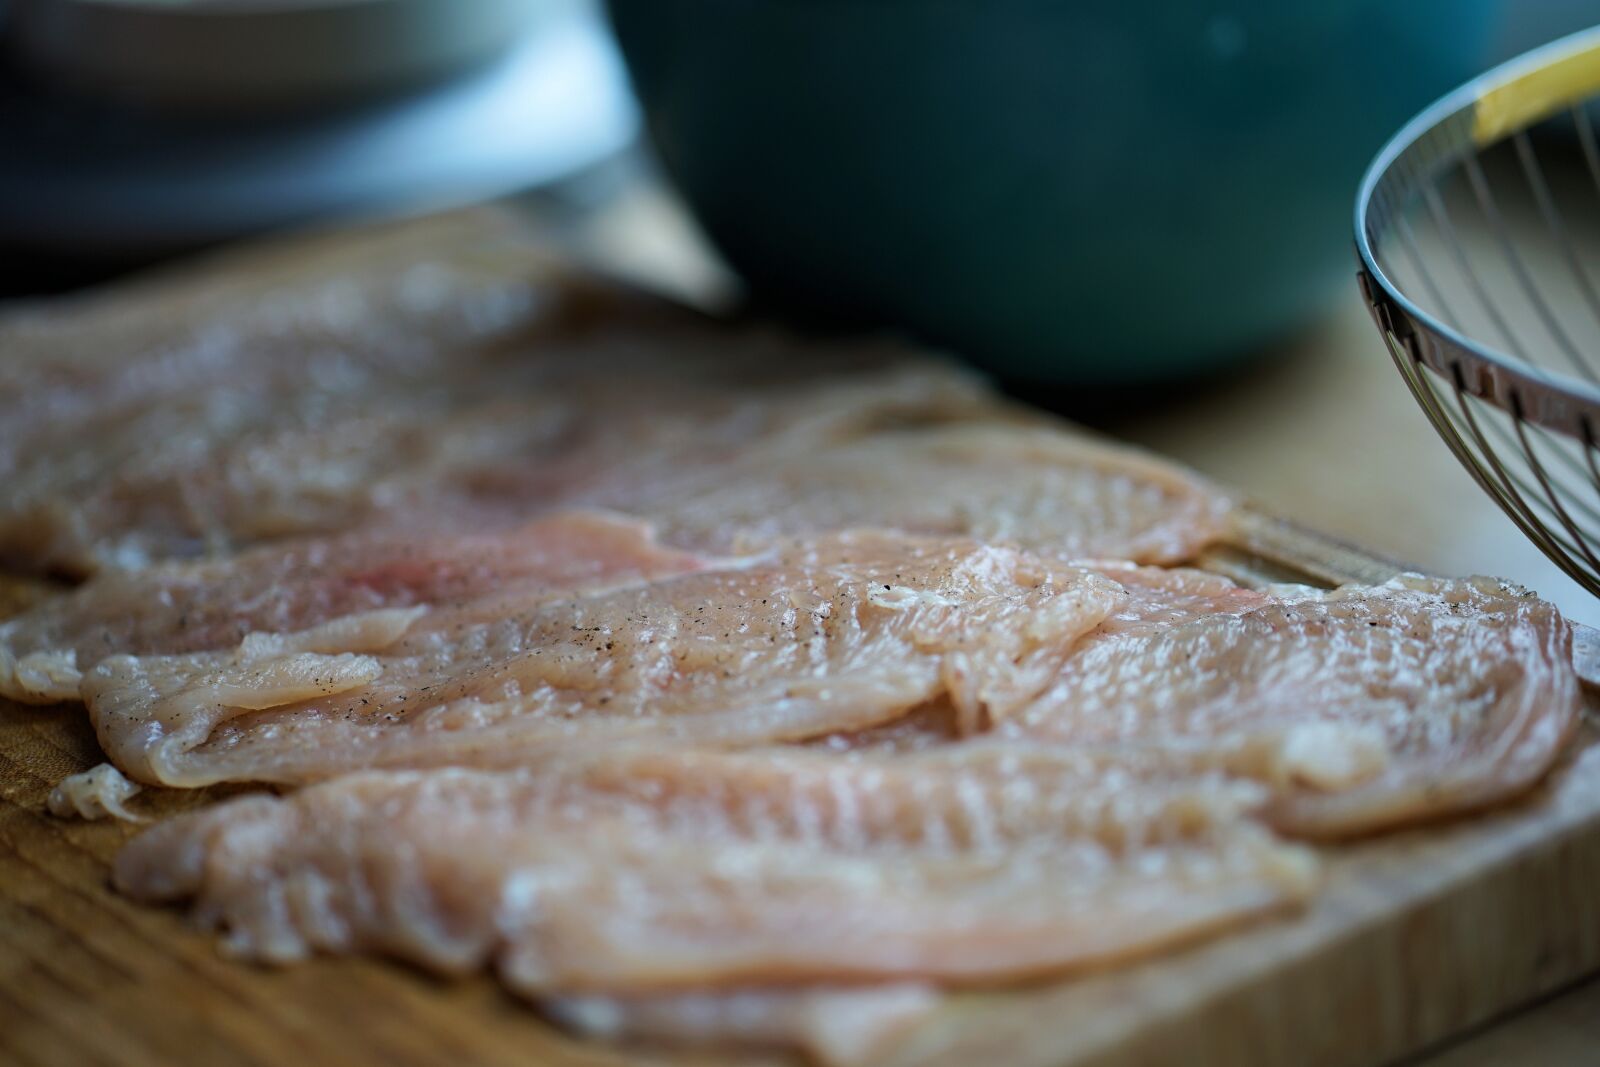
(1538, 93)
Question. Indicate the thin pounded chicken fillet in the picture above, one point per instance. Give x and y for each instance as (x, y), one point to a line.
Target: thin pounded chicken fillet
(1153, 598)
(470, 380)
(398, 304)
(826, 635)
(402, 378)
(1360, 708)
(495, 436)
(1024, 484)
(633, 872)
(834, 1026)
(136, 429)
(193, 607)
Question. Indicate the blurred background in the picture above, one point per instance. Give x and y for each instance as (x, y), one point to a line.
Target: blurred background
(135, 130)
(1138, 214)
(853, 159)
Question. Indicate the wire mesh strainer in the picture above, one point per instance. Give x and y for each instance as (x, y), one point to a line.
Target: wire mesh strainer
(1478, 229)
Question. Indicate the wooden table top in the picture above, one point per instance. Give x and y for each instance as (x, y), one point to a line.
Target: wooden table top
(1321, 430)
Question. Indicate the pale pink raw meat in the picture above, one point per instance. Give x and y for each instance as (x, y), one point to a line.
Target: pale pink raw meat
(494, 437)
(1028, 484)
(424, 377)
(193, 607)
(1360, 708)
(838, 633)
(1154, 598)
(459, 375)
(323, 315)
(632, 872)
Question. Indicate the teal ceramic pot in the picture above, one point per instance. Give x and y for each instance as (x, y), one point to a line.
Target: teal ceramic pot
(1068, 192)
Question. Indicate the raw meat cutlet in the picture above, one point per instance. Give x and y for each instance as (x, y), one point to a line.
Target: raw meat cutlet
(114, 412)
(172, 608)
(385, 304)
(838, 633)
(1360, 708)
(498, 436)
(471, 379)
(1026, 484)
(1158, 597)
(633, 871)
(1153, 598)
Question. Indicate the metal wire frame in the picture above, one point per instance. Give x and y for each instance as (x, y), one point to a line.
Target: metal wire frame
(1534, 506)
(1515, 396)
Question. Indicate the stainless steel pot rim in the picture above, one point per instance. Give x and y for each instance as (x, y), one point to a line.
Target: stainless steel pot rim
(1453, 106)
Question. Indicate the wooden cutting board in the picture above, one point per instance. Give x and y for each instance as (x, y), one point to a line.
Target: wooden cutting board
(1415, 937)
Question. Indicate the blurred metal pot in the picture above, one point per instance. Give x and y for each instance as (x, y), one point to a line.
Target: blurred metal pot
(232, 55)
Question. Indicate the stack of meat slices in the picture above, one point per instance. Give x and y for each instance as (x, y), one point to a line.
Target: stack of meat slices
(704, 684)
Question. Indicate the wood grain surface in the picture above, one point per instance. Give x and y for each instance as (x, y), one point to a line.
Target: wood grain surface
(1416, 937)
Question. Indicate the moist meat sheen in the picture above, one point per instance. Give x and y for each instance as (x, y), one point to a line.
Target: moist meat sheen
(1360, 708)
(116, 411)
(1022, 484)
(654, 871)
(382, 304)
(1153, 598)
(197, 607)
(494, 440)
(467, 380)
(837, 633)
